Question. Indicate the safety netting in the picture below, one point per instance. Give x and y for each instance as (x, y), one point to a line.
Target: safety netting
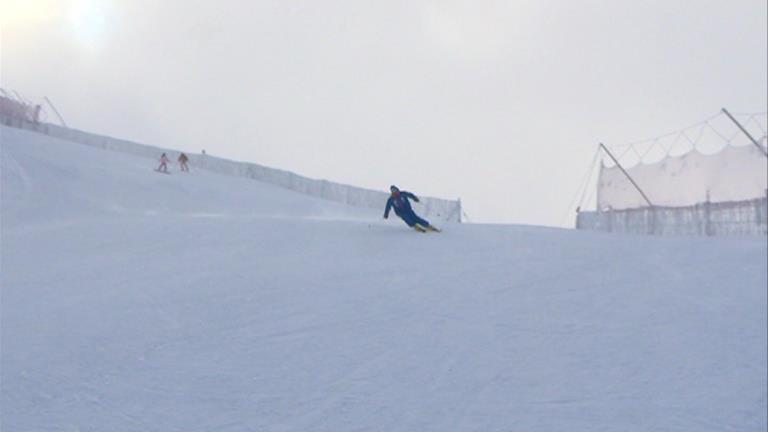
(710, 178)
(733, 174)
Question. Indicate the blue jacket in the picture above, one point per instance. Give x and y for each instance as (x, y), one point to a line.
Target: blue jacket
(401, 204)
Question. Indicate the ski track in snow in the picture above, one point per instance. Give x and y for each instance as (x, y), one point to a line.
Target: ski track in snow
(201, 302)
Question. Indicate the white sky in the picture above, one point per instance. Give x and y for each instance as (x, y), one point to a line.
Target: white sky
(501, 103)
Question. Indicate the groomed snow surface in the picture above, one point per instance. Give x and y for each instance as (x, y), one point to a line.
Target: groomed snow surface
(137, 301)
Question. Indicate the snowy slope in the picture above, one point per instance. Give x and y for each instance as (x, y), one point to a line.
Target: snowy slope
(136, 301)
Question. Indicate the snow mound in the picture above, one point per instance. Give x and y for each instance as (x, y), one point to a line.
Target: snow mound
(133, 300)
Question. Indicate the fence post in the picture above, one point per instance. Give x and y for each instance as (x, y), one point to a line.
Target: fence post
(707, 222)
(765, 213)
(610, 219)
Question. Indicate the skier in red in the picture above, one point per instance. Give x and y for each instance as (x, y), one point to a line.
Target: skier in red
(183, 162)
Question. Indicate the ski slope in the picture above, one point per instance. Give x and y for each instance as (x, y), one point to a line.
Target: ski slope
(136, 301)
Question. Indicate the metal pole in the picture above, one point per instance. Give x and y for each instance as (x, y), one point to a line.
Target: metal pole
(20, 98)
(627, 174)
(63, 123)
(754, 141)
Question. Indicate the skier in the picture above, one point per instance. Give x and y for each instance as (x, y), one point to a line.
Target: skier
(183, 162)
(163, 164)
(399, 201)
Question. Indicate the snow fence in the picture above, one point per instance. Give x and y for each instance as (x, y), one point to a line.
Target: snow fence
(749, 217)
(440, 209)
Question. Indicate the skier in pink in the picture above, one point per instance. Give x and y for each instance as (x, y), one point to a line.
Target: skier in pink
(163, 164)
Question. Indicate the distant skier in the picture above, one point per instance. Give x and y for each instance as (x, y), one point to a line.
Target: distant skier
(399, 201)
(183, 159)
(163, 164)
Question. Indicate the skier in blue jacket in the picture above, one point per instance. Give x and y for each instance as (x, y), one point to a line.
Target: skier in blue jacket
(399, 201)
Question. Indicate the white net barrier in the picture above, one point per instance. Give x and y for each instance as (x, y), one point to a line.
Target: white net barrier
(733, 174)
(707, 179)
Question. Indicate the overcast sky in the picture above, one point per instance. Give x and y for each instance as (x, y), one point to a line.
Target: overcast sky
(501, 103)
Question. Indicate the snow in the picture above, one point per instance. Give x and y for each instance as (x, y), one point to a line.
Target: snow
(435, 208)
(134, 301)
